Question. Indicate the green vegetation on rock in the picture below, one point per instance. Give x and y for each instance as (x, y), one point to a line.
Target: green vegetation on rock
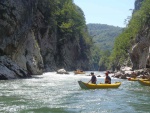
(124, 41)
(69, 22)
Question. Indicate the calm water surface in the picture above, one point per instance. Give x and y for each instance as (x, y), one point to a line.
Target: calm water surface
(54, 93)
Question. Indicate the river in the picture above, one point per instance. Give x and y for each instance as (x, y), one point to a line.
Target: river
(55, 93)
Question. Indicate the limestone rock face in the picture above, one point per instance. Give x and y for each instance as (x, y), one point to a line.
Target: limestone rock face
(28, 55)
(138, 4)
(31, 44)
(140, 54)
(67, 55)
(10, 70)
(72, 56)
(17, 40)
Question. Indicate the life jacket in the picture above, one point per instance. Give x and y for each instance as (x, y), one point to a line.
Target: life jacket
(93, 79)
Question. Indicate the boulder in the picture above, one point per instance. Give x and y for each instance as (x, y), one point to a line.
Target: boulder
(62, 71)
(10, 70)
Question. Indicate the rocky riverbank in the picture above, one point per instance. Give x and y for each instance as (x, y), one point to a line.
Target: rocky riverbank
(126, 72)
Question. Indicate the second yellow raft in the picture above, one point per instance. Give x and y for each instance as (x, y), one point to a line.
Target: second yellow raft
(144, 82)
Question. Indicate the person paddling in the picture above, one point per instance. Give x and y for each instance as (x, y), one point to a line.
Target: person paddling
(107, 79)
(93, 78)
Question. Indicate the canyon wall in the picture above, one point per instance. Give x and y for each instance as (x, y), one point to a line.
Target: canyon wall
(31, 44)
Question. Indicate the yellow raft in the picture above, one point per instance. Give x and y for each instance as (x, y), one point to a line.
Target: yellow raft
(84, 85)
(79, 72)
(144, 82)
(136, 79)
(133, 79)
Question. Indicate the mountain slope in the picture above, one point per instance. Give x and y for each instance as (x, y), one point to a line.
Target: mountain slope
(104, 35)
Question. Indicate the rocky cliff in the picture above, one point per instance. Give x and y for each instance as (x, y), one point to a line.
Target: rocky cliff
(140, 54)
(137, 4)
(30, 41)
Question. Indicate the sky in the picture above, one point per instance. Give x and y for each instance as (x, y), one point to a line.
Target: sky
(110, 12)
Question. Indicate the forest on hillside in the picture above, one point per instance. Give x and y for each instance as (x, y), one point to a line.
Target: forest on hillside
(104, 35)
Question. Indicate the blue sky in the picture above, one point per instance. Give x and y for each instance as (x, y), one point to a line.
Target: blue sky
(111, 12)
